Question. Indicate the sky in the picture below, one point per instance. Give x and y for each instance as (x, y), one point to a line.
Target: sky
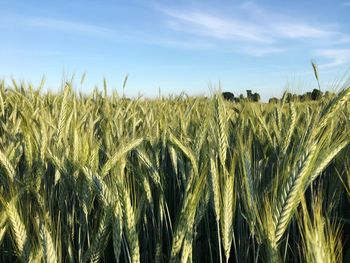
(179, 46)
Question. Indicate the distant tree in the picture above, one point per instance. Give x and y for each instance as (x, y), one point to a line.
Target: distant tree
(249, 94)
(255, 97)
(316, 94)
(273, 100)
(228, 96)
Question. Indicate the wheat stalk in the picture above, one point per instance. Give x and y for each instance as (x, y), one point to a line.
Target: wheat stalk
(290, 193)
(215, 188)
(186, 150)
(7, 165)
(293, 120)
(153, 171)
(102, 190)
(48, 245)
(184, 224)
(332, 108)
(101, 238)
(63, 113)
(324, 161)
(118, 155)
(117, 230)
(2, 233)
(221, 119)
(128, 217)
(227, 215)
(18, 228)
(2, 104)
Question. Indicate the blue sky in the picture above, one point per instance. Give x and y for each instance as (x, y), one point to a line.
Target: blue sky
(177, 46)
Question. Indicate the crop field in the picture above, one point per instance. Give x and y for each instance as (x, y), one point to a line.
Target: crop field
(97, 178)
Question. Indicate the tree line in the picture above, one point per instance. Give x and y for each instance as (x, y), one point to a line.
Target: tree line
(314, 95)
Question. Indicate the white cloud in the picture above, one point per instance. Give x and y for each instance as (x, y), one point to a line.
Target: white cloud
(336, 57)
(66, 25)
(262, 51)
(244, 29)
(185, 44)
(54, 25)
(204, 24)
(252, 30)
(302, 31)
(284, 27)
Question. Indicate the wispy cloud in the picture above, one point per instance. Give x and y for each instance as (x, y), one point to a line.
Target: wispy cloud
(301, 31)
(336, 57)
(66, 25)
(254, 31)
(248, 30)
(201, 23)
(242, 29)
(55, 24)
(185, 44)
(262, 51)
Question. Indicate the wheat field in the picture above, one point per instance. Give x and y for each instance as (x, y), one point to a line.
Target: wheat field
(97, 178)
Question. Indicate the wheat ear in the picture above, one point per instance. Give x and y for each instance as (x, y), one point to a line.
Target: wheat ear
(49, 250)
